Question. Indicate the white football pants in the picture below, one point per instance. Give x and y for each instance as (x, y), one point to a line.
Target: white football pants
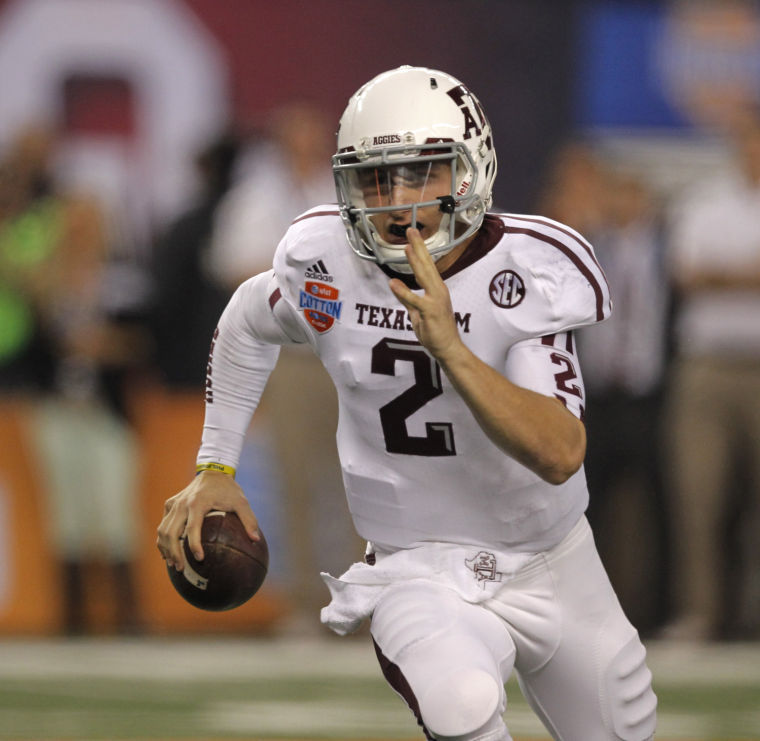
(557, 623)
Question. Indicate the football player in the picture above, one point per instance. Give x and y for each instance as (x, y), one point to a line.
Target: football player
(448, 332)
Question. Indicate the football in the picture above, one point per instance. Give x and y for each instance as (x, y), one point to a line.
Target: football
(232, 571)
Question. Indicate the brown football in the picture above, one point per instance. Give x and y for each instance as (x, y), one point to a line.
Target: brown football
(233, 568)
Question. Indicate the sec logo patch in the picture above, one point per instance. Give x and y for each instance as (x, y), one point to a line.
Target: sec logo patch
(507, 289)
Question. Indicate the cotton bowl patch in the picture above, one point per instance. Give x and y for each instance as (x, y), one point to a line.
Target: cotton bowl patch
(320, 305)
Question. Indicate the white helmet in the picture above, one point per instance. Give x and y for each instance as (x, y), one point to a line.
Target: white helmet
(410, 116)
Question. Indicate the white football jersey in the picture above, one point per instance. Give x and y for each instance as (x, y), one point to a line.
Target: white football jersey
(416, 465)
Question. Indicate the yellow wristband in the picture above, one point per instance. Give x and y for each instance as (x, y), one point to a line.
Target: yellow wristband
(229, 470)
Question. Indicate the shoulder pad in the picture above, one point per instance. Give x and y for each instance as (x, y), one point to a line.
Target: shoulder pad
(558, 263)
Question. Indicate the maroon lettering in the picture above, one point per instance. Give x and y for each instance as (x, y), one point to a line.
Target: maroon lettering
(386, 321)
(209, 364)
(385, 317)
(362, 308)
(568, 374)
(457, 94)
(386, 139)
(463, 321)
(438, 439)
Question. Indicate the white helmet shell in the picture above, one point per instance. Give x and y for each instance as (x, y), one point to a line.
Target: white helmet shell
(415, 114)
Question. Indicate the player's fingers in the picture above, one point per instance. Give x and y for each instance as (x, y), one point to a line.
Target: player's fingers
(250, 523)
(193, 532)
(168, 540)
(178, 550)
(404, 295)
(421, 261)
(163, 551)
(416, 251)
(178, 524)
(161, 542)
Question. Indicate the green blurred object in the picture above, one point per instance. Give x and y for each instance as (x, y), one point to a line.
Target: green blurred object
(16, 324)
(26, 241)
(29, 239)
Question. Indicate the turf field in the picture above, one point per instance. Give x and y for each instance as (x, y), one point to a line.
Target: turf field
(324, 688)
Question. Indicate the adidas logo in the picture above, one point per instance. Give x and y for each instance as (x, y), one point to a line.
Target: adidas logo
(319, 271)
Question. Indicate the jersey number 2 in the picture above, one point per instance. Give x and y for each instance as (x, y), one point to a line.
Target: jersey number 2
(439, 437)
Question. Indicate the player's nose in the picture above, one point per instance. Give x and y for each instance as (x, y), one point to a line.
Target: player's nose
(401, 195)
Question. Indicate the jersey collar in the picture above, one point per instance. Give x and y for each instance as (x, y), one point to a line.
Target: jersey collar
(487, 237)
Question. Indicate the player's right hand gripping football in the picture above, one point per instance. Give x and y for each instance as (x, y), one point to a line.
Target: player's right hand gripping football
(184, 513)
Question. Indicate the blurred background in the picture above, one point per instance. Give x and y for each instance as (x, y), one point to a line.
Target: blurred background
(152, 152)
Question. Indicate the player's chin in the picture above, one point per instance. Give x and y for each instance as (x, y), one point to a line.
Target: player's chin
(396, 241)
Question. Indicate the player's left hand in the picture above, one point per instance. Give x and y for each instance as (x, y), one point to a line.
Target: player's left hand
(431, 313)
(184, 513)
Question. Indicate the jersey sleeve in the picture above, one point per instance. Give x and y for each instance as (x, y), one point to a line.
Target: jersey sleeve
(563, 284)
(549, 365)
(244, 351)
(301, 260)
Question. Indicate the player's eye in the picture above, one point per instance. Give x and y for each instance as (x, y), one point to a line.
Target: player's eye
(374, 181)
(410, 176)
(380, 185)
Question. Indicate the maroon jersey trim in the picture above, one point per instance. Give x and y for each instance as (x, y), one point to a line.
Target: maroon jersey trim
(550, 339)
(559, 227)
(488, 236)
(573, 257)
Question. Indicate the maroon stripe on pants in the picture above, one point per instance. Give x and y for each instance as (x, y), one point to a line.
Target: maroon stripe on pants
(397, 681)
